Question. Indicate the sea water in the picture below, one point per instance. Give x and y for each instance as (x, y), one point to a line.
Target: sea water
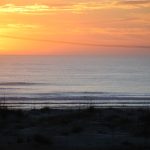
(74, 81)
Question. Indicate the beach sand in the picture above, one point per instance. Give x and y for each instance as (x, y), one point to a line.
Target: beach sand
(86, 129)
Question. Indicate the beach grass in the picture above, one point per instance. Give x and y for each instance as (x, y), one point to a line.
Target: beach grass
(90, 128)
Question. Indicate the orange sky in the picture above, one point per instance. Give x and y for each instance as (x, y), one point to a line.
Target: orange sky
(74, 26)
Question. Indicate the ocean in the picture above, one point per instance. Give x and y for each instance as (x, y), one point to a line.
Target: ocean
(74, 81)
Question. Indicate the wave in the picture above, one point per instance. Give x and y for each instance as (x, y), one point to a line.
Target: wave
(18, 84)
(77, 96)
(74, 99)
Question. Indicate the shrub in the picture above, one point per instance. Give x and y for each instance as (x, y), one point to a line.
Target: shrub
(41, 139)
(45, 109)
(77, 129)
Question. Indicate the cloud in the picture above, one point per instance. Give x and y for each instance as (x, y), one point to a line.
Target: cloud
(22, 26)
(76, 7)
(133, 3)
(75, 43)
(37, 8)
(11, 8)
(13, 28)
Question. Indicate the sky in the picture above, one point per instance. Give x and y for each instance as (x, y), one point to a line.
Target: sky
(57, 27)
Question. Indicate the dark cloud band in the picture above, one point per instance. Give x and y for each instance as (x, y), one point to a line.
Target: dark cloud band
(74, 43)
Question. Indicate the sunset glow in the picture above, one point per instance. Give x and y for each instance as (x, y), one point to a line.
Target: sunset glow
(74, 27)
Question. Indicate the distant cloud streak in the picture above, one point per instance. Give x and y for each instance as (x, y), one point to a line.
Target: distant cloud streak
(74, 43)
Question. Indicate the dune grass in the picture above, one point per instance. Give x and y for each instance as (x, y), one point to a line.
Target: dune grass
(44, 126)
